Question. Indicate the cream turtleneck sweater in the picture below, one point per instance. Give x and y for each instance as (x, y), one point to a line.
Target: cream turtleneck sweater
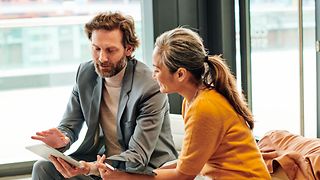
(108, 112)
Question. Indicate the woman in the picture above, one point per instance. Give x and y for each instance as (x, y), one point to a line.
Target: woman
(218, 140)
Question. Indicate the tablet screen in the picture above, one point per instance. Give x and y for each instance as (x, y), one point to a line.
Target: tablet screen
(45, 151)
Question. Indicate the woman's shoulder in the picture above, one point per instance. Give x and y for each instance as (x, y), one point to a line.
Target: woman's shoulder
(210, 103)
(209, 99)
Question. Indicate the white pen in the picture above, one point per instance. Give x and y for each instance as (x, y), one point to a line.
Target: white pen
(109, 166)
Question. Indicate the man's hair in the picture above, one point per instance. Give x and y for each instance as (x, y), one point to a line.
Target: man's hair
(111, 21)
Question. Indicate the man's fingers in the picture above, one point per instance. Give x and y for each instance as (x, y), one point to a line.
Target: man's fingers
(37, 138)
(40, 134)
(101, 169)
(48, 132)
(58, 166)
(45, 133)
(70, 170)
(98, 158)
(65, 165)
(101, 159)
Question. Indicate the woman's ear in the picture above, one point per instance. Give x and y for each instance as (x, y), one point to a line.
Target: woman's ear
(128, 50)
(181, 74)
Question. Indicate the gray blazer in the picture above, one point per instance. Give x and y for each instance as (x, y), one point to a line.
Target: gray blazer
(143, 125)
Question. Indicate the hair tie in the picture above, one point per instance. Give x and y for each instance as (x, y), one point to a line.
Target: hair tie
(206, 58)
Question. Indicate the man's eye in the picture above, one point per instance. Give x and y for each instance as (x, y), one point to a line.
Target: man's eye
(96, 49)
(111, 50)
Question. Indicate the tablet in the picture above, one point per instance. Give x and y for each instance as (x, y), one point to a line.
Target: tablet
(45, 151)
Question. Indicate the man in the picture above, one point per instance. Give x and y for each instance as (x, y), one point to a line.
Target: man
(126, 115)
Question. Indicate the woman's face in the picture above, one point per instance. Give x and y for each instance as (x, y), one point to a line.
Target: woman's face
(162, 75)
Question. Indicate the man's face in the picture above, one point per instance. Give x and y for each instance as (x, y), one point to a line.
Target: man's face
(108, 52)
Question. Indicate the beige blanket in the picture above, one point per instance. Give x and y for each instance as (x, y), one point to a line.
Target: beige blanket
(298, 156)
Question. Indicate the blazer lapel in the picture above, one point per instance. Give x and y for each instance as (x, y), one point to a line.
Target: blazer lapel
(125, 90)
(90, 137)
(95, 103)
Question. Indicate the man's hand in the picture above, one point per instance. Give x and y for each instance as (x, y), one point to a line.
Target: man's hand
(105, 171)
(67, 170)
(52, 137)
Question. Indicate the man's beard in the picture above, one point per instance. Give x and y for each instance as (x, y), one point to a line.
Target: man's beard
(113, 68)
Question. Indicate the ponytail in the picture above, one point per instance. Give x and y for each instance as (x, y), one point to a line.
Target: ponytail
(219, 77)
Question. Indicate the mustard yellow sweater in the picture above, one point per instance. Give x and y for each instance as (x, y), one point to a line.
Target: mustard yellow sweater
(218, 143)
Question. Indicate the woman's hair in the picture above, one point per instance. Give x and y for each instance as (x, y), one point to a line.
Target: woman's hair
(184, 48)
(110, 21)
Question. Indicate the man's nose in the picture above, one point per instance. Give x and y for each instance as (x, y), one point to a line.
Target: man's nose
(103, 57)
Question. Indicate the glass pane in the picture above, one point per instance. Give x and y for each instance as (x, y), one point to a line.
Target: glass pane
(275, 65)
(309, 58)
(41, 46)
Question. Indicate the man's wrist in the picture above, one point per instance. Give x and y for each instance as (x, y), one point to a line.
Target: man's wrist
(93, 170)
(66, 140)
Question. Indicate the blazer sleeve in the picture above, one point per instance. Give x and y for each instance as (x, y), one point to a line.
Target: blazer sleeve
(73, 119)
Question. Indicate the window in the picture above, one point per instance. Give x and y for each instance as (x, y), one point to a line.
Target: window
(41, 45)
(275, 66)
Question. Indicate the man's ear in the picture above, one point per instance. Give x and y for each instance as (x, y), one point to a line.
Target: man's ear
(128, 50)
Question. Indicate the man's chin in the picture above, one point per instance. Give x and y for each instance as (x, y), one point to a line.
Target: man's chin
(104, 74)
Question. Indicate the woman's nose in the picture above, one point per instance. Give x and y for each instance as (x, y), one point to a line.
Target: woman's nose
(154, 75)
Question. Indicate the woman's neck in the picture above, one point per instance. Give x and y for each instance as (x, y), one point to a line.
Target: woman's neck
(190, 92)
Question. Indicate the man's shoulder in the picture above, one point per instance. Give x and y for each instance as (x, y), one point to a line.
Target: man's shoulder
(86, 71)
(142, 77)
(86, 65)
(142, 69)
